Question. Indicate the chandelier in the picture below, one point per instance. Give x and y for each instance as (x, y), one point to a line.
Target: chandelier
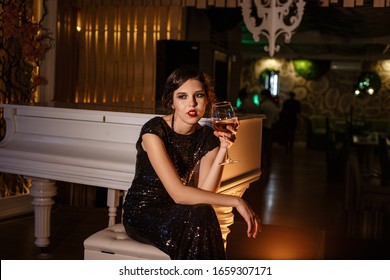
(276, 17)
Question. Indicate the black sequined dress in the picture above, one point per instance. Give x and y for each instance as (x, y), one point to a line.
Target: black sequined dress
(151, 216)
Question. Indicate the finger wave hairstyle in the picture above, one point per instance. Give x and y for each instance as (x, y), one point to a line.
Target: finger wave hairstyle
(179, 77)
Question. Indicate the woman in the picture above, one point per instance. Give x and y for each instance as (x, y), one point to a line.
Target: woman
(161, 208)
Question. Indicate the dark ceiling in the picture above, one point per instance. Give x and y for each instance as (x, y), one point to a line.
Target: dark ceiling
(335, 33)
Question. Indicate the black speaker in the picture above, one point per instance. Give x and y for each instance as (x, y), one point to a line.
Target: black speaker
(172, 54)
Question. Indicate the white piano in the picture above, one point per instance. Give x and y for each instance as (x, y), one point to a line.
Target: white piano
(49, 144)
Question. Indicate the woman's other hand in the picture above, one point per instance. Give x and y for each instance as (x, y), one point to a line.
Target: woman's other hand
(250, 217)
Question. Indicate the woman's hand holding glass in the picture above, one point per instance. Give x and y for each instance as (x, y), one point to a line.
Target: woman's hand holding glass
(225, 123)
(227, 138)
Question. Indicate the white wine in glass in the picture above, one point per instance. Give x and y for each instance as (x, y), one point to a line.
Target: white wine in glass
(223, 115)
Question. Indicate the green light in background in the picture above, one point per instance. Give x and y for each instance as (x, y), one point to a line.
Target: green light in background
(311, 69)
(256, 99)
(369, 83)
(238, 103)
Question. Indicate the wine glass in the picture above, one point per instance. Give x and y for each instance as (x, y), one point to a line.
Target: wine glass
(223, 115)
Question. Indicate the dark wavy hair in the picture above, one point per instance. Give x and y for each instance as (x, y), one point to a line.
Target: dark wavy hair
(179, 77)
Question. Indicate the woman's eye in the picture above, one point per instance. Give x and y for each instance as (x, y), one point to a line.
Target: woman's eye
(200, 95)
(181, 96)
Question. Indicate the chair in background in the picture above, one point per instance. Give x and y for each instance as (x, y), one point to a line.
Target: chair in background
(316, 133)
(367, 204)
(384, 161)
(337, 150)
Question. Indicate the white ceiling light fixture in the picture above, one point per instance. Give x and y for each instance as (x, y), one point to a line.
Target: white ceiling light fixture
(277, 17)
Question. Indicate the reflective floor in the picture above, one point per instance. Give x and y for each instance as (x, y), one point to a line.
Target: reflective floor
(303, 218)
(303, 213)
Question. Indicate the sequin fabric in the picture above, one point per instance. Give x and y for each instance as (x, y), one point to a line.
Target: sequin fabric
(151, 216)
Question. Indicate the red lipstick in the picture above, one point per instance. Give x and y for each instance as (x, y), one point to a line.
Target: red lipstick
(192, 113)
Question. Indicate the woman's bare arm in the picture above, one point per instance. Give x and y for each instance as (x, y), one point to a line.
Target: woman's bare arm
(181, 194)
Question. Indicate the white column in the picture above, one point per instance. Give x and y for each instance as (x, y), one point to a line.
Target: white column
(42, 191)
(225, 214)
(226, 219)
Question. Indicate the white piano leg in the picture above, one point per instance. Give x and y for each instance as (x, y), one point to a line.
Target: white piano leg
(226, 219)
(225, 214)
(112, 203)
(42, 192)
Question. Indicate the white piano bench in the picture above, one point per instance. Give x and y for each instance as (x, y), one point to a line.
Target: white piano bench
(113, 243)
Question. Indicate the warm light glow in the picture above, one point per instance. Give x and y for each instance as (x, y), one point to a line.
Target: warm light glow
(385, 64)
(272, 63)
(268, 212)
(117, 34)
(169, 30)
(78, 24)
(114, 43)
(179, 33)
(268, 63)
(145, 29)
(156, 27)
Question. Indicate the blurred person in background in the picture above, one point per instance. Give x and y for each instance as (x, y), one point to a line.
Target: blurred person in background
(271, 112)
(289, 120)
